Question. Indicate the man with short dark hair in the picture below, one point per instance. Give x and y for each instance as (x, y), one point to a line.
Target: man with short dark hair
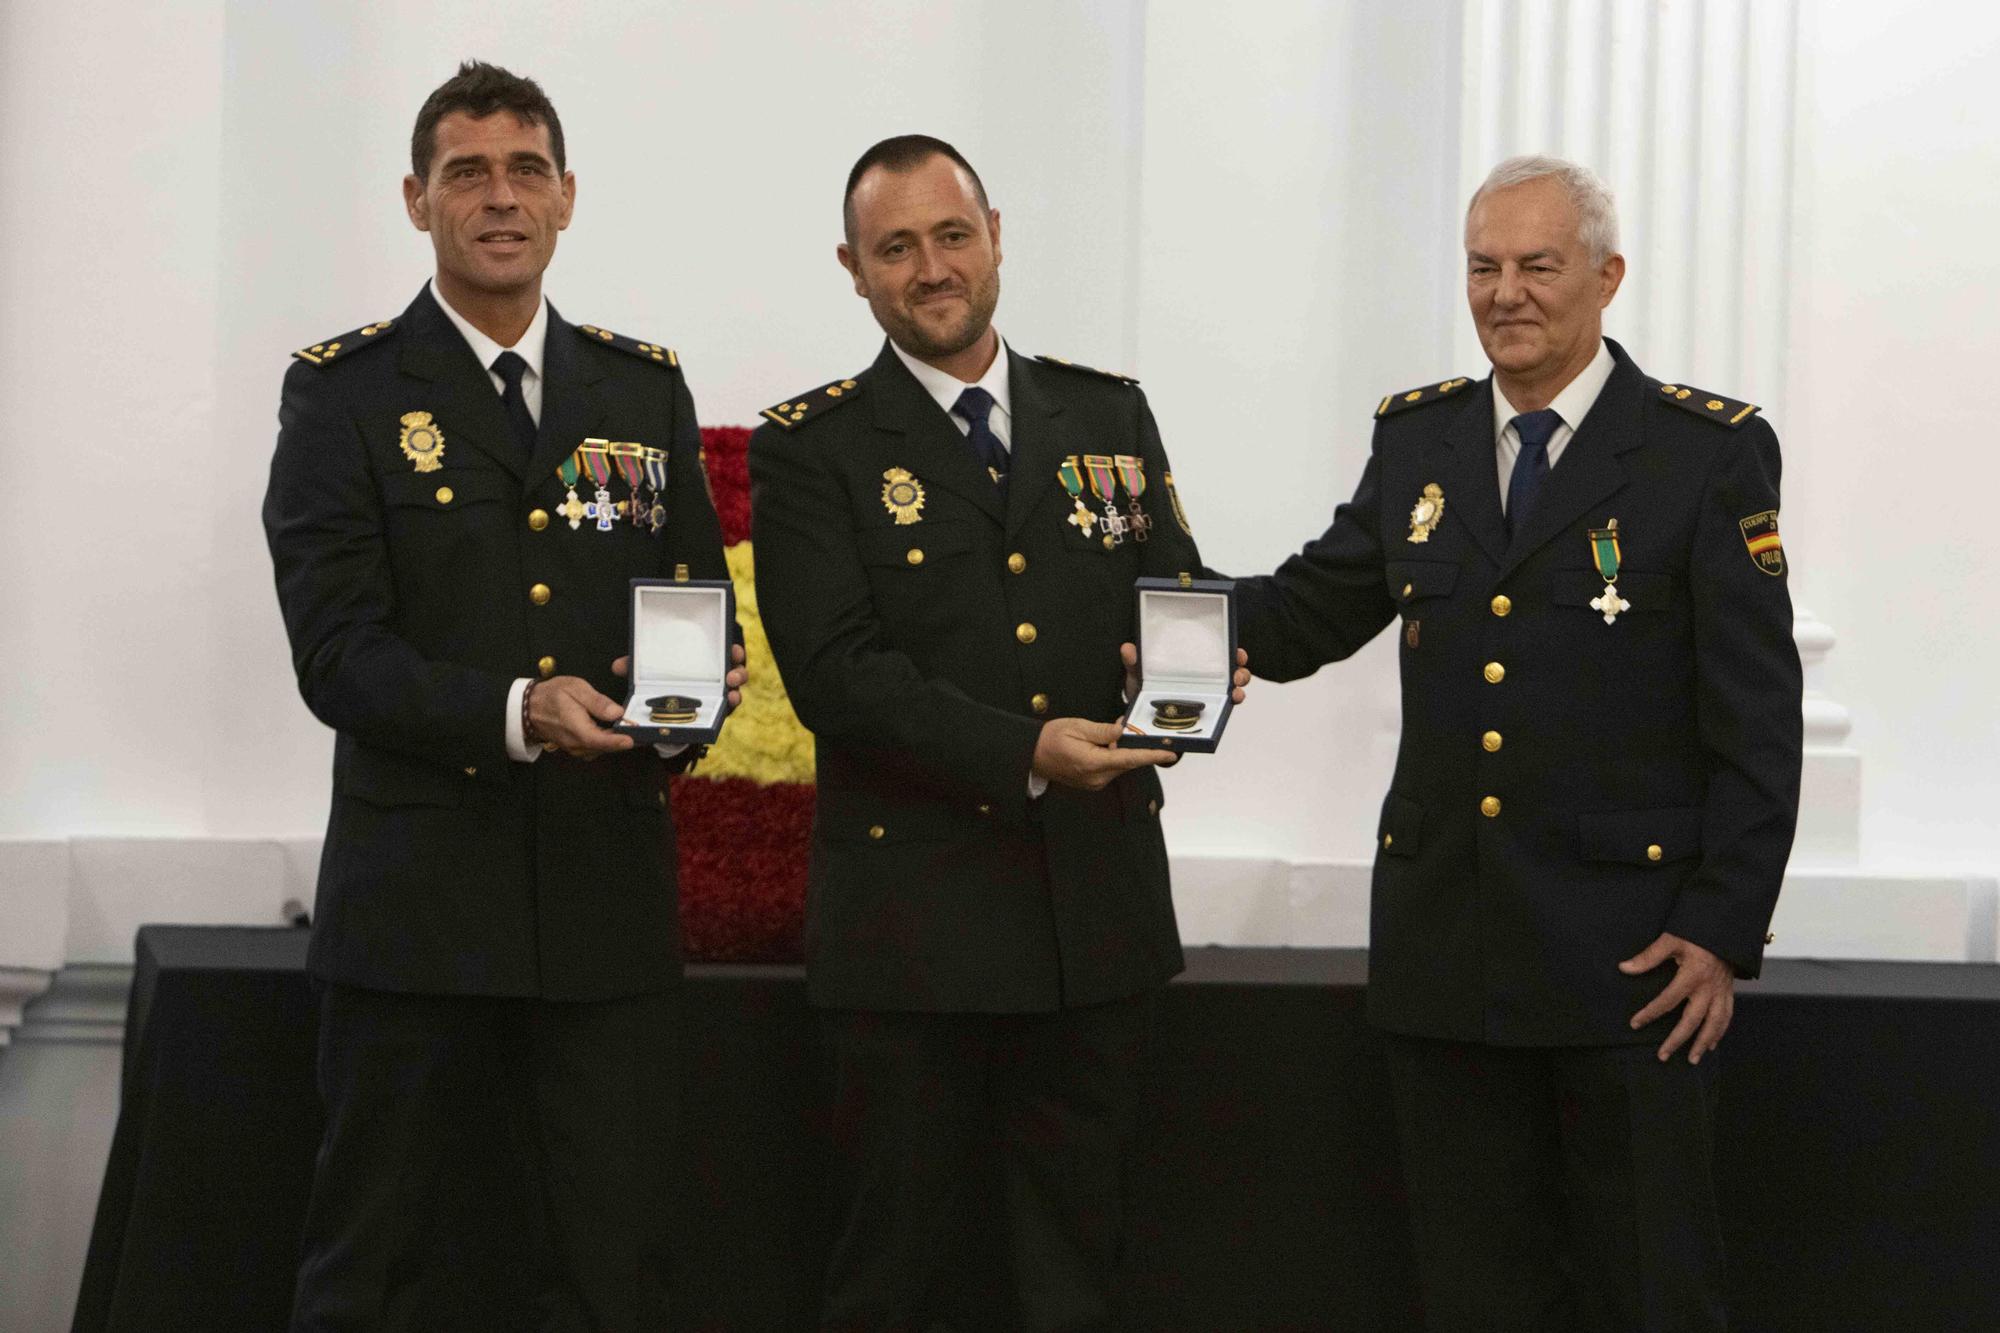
(946, 548)
(1582, 845)
(495, 944)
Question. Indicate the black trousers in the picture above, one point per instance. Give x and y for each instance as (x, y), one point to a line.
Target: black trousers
(491, 1163)
(1053, 1096)
(1560, 1188)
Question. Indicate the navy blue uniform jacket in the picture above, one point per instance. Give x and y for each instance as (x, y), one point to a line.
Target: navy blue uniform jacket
(408, 598)
(1566, 789)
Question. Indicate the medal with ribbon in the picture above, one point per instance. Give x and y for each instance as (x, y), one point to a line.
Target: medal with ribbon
(1604, 549)
(571, 472)
(631, 462)
(1103, 473)
(656, 478)
(1132, 471)
(1072, 481)
(597, 466)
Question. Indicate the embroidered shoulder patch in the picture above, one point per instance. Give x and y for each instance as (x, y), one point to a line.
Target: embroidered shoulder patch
(1760, 534)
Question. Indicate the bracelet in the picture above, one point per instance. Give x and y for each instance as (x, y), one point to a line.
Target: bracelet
(528, 736)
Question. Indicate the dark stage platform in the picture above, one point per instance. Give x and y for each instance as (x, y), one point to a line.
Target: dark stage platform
(1859, 1160)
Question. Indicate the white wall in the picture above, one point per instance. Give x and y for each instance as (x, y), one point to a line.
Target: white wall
(1256, 213)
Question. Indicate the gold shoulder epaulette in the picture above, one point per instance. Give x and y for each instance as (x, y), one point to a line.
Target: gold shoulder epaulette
(818, 403)
(1728, 412)
(1418, 397)
(347, 344)
(1088, 370)
(590, 333)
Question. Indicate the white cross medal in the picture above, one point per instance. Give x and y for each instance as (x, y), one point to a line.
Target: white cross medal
(1604, 550)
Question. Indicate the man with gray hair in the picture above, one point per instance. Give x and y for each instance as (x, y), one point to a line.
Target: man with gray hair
(1595, 794)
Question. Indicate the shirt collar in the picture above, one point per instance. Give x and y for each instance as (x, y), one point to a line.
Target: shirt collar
(944, 387)
(529, 348)
(1573, 404)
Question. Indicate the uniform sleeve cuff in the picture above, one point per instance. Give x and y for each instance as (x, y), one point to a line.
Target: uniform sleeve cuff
(518, 748)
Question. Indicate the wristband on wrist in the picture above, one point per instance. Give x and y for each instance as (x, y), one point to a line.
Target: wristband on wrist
(528, 736)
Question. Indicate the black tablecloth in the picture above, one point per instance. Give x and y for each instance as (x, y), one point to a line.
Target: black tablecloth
(1859, 1160)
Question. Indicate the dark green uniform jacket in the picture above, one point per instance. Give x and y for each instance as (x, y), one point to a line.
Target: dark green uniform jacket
(925, 655)
(411, 601)
(1566, 788)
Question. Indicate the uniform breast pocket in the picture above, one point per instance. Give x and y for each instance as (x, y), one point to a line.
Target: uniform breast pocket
(439, 523)
(1642, 593)
(915, 569)
(1411, 581)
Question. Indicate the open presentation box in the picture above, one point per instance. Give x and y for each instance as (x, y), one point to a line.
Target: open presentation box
(1187, 654)
(680, 646)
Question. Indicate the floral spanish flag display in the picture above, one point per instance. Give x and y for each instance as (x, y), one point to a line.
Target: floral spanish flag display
(744, 816)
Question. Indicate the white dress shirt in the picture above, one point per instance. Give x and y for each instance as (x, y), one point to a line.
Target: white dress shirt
(945, 388)
(1572, 405)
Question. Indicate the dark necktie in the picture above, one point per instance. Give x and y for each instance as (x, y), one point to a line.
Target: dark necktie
(975, 404)
(510, 367)
(1531, 466)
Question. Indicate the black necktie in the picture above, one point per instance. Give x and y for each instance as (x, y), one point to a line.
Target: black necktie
(511, 366)
(974, 405)
(1531, 466)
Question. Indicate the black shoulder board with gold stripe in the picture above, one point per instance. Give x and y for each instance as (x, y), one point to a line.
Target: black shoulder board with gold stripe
(806, 406)
(346, 345)
(1088, 370)
(1728, 412)
(1418, 397)
(665, 356)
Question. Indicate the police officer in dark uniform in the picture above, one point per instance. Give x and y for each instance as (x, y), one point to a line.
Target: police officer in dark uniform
(1594, 800)
(946, 548)
(458, 498)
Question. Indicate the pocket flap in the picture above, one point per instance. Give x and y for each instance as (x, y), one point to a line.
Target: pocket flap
(385, 779)
(1580, 587)
(1413, 580)
(1640, 837)
(447, 488)
(1402, 826)
(912, 546)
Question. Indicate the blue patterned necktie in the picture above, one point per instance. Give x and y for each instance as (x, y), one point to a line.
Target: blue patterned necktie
(975, 404)
(1531, 465)
(510, 367)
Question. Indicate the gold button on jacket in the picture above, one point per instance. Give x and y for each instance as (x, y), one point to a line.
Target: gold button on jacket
(1491, 741)
(1025, 632)
(1502, 604)
(1490, 807)
(537, 519)
(539, 594)
(547, 666)
(1494, 673)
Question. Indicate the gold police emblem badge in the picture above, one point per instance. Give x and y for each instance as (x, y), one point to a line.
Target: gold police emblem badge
(1427, 513)
(422, 442)
(902, 496)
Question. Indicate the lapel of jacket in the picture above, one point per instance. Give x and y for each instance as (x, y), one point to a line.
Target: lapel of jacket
(571, 408)
(1590, 468)
(936, 452)
(1474, 492)
(1037, 442)
(462, 398)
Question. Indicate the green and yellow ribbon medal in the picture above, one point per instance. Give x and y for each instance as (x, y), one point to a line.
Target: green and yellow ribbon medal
(1072, 481)
(571, 472)
(1605, 551)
